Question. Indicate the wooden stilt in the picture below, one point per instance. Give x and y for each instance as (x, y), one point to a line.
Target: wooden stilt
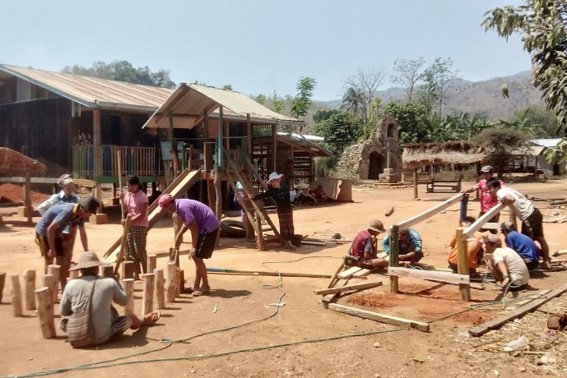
(463, 264)
(48, 281)
(148, 303)
(152, 259)
(171, 281)
(16, 296)
(29, 288)
(55, 271)
(2, 281)
(160, 293)
(415, 183)
(106, 271)
(127, 269)
(45, 312)
(128, 284)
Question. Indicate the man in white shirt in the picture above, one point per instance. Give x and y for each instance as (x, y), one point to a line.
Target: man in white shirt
(531, 217)
(507, 267)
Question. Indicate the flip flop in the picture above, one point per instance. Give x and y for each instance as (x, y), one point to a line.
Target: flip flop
(156, 315)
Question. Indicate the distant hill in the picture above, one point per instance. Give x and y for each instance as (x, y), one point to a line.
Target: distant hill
(481, 97)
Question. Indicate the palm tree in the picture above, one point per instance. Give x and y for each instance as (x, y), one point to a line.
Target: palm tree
(353, 102)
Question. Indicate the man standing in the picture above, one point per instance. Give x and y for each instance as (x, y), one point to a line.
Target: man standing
(531, 217)
(522, 244)
(204, 227)
(410, 246)
(52, 225)
(487, 202)
(100, 292)
(506, 265)
(363, 251)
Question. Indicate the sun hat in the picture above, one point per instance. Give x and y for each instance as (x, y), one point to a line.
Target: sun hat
(274, 176)
(87, 259)
(487, 169)
(90, 204)
(62, 178)
(491, 238)
(377, 226)
(67, 181)
(164, 200)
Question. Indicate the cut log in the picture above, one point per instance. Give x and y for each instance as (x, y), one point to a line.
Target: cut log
(359, 286)
(55, 271)
(45, 312)
(472, 286)
(160, 293)
(128, 284)
(519, 312)
(127, 269)
(29, 289)
(148, 295)
(48, 281)
(106, 271)
(16, 296)
(382, 318)
(171, 281)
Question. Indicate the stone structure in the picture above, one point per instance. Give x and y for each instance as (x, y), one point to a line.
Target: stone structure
(377, 158)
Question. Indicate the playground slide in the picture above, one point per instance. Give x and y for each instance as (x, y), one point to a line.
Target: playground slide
(177, 188)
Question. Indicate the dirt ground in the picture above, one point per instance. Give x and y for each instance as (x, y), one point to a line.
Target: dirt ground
(238, 330)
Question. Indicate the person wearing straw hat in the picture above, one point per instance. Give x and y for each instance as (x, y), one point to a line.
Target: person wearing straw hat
(507, 267)
(100, 292)
(363, 251)
(280, 194)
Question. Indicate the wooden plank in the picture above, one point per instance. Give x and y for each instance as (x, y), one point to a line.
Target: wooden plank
(517, 313)
(349, 272)
(469, 231)
(264, 273)
(471, 285)
(425, 274)
(463, 265)
(382, 318)
(359, 286)
(430, 212)
(362, 273)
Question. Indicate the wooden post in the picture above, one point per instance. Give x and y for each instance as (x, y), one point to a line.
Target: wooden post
(29, 288)
(148, 303)
(152, 263)
(181, 281)
(16, 296)
(127, 269)
(394, 259)
(27, 197)
(54, 270)
(415, 182)
(463, 264)
(173, 143)
(211, 194)
(48, 281)
(45, 312)
(248, 136)
(171, 281)
(218, 195)
(274, 148)
(177, 224)
(97, 149)
(2, 281)
(260, 242)
(106, 271)
(160, 293)
(120, 183)
(128, 284)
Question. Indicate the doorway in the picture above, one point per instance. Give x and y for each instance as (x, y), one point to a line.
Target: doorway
(375, 165)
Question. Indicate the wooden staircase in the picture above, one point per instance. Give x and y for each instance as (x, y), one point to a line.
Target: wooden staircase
(254, 210)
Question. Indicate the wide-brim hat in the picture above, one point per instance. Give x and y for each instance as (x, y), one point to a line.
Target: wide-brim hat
(274, 176)
(492, 238)
(377, 226)
(87, 259)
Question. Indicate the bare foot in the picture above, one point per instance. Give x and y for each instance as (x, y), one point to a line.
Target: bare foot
(152, 318)
(545, 265)
(203, 290)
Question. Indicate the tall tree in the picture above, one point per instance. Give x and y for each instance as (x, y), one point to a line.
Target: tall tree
(438, 78)
(365, 84)
(123, 70)
(302, 100)
(408, 72)
(353, 101)
(542, 26)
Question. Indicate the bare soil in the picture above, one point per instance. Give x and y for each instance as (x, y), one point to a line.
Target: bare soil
(211, 338)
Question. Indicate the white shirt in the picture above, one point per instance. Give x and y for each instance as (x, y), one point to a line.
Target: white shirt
(517, 269)
(522, 207)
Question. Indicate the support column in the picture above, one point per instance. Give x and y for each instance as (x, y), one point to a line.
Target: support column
(274, 148)
(249, 136)
(97, 150)
(394, 259)
(463, 264)
(415, 182)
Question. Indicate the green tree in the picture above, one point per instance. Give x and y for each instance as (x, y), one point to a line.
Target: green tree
(411, 118)
(537, 121)
(353, 102)
(122, 70)
(302, 101)
(340, 130)
(499, 142)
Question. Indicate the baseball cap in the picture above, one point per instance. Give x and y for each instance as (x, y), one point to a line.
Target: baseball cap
(164, 200)
(377, 226)
(487, 168)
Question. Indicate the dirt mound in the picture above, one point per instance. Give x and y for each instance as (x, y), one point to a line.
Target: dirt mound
(10, 193)
(377, 300)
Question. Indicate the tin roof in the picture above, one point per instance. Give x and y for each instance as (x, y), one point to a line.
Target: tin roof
(189, 103)
(305, 143)
(94, 92)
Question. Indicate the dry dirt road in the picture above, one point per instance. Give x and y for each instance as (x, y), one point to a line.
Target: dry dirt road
(237, 330)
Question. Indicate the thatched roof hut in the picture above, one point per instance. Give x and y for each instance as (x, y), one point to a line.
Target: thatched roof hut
(420, 155)
(15, 163)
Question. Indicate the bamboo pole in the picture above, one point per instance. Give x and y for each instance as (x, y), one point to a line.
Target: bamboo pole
(463, 264)
(16, 296)
(170, 283)
(45, 312)
(394, 258)
(128, 284)
(160, 292)
(148, 302)
(55, 271)
(29, 289)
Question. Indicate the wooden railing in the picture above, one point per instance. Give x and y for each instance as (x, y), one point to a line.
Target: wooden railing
(139, 161)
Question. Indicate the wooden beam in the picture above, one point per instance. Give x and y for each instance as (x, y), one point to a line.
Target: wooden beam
(97, 151)
(430, 212)
(349, 272)
(471, 285)
(359, 286)
(274, 148)
(382, 318)
(463, 264)
(425, 274)
(394, 258)
(264, 273)
(248, 136)
(519, 312)
(469, 231)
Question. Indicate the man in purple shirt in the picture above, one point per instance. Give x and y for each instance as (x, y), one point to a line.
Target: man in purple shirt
(204, 226)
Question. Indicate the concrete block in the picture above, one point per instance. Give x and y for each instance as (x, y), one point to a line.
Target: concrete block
(99, 218)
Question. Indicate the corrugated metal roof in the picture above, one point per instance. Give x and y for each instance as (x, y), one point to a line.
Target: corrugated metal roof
(300, 142)
(188, 103)
(551, 142)
(94, 92)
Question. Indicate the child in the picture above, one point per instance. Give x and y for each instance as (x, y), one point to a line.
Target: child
(135, 204)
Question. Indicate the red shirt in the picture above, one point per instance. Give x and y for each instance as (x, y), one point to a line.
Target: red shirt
(363, 243)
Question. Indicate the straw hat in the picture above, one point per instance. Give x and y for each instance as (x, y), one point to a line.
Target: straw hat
(87, 259)
(377, 226)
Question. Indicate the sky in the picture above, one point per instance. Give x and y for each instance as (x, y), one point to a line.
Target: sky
(259, 46)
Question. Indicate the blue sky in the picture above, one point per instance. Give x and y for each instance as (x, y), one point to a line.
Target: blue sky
(259, 46)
